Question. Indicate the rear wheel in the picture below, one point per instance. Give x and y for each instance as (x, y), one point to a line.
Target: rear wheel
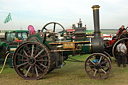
(31, 60)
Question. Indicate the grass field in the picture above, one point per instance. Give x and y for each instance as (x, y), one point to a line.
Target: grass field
(71, 74)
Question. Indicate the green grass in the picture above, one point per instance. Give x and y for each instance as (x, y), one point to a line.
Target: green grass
(71, 74)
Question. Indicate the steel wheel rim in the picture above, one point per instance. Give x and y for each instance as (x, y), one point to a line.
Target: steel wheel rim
(98, 70)
(109, 57)
(32, 64)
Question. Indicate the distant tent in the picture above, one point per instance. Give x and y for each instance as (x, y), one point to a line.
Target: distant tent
(31, 29)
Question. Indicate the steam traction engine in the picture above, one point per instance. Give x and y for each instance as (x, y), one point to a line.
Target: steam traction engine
(44, 51)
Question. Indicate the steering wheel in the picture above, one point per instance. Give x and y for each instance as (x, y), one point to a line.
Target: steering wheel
(54, 26)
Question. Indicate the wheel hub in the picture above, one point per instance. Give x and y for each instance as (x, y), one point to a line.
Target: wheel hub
(31, 60)
(97, 66)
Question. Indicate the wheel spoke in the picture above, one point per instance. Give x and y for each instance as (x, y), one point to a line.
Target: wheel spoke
(39, 68)
(22, 64)
(22, 59)
(32, 50)
(104, 66)
(45, 28)
(43, 65)
(92, 62)
(36, 71)
(25, 53)
(100, 60)
(90, 65)
(104, 62)
(27, 48)
(42, 56)
(21, 55)
(95, 72)
(36, 49)
(91, 70)
(39, 53)
(54, 27)
(103, 71)
(99, 72)
(42, 60)
(32, 71)
(28, 71)
(95, 57)
(25, 67)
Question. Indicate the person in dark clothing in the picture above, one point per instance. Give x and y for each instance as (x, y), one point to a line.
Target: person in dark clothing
(122, 51)
(121, 30)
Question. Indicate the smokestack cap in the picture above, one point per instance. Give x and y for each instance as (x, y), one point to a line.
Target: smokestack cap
(95, 7)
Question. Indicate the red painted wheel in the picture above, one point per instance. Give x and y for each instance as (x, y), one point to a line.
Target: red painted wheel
(31, 60)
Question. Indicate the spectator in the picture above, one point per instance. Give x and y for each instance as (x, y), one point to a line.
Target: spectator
(122, 51)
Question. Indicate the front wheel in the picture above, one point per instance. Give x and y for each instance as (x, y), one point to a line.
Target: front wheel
(98, 66)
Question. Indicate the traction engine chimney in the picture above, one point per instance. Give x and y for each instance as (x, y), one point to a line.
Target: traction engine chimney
(96, 20)
(97, 41)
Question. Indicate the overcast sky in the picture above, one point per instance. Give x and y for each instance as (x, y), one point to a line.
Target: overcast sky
(113, 13)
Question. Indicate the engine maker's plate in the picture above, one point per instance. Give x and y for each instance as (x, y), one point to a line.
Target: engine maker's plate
(69, 45)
